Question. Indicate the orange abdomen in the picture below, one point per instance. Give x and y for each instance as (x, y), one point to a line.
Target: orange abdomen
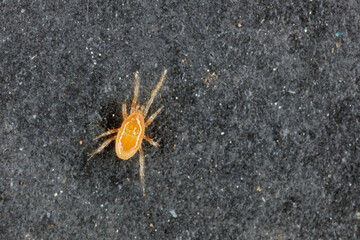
(130, 135)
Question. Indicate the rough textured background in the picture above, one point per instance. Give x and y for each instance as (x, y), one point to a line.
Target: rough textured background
(259, 135)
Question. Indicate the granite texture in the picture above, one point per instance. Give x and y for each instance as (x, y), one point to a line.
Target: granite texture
(259, 135)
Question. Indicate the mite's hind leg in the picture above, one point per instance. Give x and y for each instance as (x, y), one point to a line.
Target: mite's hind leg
(142, 169)
(136, 93)
(152, 117)
(102, 146)
(109, 132)
(124, 112)
(154, 92)
(152, 142)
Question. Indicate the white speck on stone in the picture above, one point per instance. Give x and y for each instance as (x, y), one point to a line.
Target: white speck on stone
(291, 91)
(173, 213)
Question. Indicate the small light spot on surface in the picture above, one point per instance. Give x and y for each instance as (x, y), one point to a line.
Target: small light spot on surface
(339, 34)
(173, 213)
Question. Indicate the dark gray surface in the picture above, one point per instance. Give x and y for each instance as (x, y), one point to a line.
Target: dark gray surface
(259, 135)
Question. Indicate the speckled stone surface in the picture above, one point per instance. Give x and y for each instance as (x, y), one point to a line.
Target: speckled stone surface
(259, 135)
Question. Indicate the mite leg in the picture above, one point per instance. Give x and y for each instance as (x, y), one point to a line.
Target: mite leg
(152, 117)
(111, 131)
(154, 92)
(152, 142)
(136, 92)
(142, 169)
(102, 146)
(124, 112)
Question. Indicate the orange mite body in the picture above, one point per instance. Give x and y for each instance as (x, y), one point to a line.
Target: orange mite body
(130, 135)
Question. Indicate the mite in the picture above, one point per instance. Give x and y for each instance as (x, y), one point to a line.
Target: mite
(130, 135)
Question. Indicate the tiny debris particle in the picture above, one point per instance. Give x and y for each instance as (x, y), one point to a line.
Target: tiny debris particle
(151, 225)
(258, 189)
(81, 142)
(173, 213)
(339, 34)
(34, 116)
